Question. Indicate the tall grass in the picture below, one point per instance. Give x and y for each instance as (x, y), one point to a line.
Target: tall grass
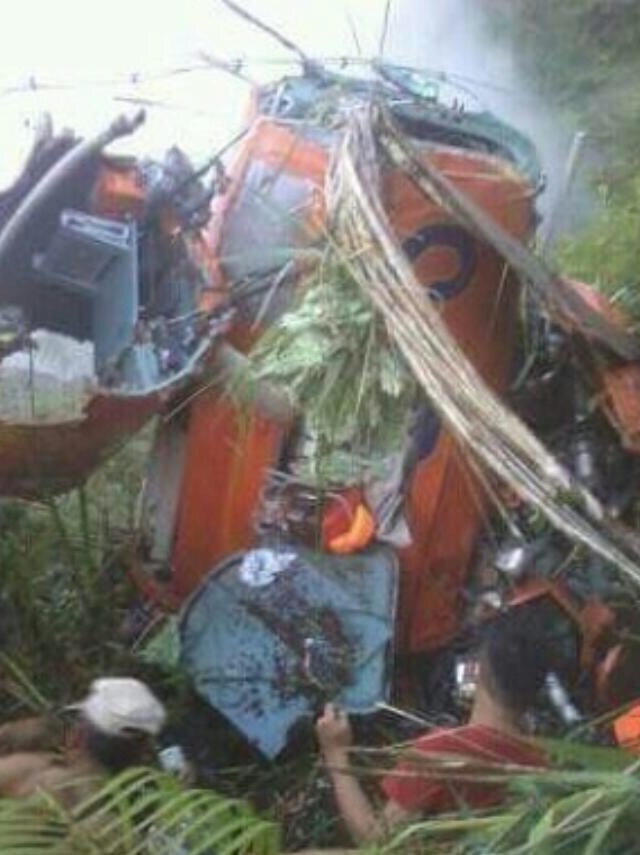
(607, 253)
(64, 592)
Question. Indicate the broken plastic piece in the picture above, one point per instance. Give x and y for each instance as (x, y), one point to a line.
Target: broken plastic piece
(627, 730)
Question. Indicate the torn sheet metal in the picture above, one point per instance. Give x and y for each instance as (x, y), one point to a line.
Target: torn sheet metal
(47, 458)
(483, 426)
(621, 400)
(105, 313)
(263, 230)
(565, 303)
(306, 628)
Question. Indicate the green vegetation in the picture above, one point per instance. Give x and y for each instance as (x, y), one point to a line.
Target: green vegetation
(332, 353)
(556, 812)
(582, 57)
(139, 811)
(64, 591)
(607, 253)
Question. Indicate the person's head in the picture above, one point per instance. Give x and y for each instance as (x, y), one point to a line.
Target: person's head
(520, 647)
(117, 722)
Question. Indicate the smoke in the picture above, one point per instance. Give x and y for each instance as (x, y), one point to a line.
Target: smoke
(455, 36)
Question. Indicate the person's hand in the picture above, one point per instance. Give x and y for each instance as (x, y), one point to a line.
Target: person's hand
(334, 733)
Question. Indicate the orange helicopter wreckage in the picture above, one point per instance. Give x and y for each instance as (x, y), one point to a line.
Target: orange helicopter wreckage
(145, 285)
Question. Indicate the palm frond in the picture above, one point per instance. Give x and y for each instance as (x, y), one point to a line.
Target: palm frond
(18, 684)
(136, 813)
(489, 432)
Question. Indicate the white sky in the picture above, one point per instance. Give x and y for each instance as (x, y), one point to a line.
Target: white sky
(78, 41)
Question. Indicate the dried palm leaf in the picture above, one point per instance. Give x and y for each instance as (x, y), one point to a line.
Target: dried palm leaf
(491, 434)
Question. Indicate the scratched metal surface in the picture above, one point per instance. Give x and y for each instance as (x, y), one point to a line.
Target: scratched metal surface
(272, 634)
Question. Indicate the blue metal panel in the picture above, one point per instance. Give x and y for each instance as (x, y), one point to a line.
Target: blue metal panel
(273, 633)
(96, 259)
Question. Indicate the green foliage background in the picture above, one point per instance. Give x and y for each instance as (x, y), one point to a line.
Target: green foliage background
(64, 590)
(583, 58)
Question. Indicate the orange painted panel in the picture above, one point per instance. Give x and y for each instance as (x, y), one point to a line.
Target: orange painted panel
(445, 505)
(479, 300)
(621, 398)
(227, 453)
(445, 511)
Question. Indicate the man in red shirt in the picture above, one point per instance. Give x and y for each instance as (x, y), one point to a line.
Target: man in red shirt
(519, 649)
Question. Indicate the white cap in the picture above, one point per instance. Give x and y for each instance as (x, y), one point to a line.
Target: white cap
(118, 705)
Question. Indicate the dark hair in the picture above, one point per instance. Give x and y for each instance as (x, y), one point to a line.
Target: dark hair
(522, 645)
(116, 753)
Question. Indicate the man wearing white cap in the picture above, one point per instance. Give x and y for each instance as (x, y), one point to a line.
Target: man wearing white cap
(113, 728)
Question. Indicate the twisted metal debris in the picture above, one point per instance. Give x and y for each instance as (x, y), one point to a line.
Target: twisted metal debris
(490, 433)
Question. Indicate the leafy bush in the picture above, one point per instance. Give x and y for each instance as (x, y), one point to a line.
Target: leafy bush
(607, 253)
(582, 57)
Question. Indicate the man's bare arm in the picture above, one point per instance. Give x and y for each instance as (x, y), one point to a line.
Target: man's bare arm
(41, 733)
(18, 770)
(364, 823)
